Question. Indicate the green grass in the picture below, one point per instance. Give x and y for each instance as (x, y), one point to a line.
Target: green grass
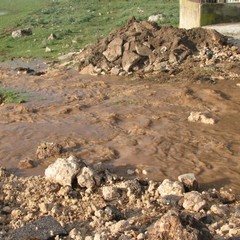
(12, 96)
(76, 23)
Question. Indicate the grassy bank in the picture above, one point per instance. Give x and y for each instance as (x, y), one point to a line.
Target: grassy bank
(74, 22)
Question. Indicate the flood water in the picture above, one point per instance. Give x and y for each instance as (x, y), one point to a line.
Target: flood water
(125, 124)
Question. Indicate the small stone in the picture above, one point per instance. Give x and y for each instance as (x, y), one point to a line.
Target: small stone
(44, 207)
(22, 32)
(110, 193)
(225, 229)
(193, 201)
(155, 18)
(115, 71)
(48, 49)
(175, 226)
(52, 36)
(201, 117)
(26, 164)
(237, 212)
(88, 70)
(133, 187)
(112, 213)
(189, 181)
(169, 187)
(15, 213)
(143, 50)
(226, 195)
(64, 170)
(144, 172)
(171, 200)
(114, 50)
(234, 232)
(48, 149)
(88, 238)
(217, 210)
(120, 227)
(75, 234)
(4, 172)
(129, 59)
(88, 178)
(141, 236)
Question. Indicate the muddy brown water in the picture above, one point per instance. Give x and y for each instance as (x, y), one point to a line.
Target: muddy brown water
(126, 124)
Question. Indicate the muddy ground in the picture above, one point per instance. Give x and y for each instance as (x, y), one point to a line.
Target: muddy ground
(128, 122)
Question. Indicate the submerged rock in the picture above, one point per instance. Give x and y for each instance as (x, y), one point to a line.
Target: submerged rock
(48, 149)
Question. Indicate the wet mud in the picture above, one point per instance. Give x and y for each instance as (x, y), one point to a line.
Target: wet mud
(127, 123)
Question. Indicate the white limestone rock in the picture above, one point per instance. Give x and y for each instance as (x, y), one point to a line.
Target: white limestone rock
(64, 170)
(201, 117)
(193, 201)
(169, 187)
(110, 193)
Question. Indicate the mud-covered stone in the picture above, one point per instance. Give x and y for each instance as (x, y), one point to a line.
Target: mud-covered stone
(48, 149)
(226, 195)
(26, 164)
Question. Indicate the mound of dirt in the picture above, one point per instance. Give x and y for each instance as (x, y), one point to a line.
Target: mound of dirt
(146, 47)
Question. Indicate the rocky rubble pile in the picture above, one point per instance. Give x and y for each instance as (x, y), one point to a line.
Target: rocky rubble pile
(144, 47)
(76, 201)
